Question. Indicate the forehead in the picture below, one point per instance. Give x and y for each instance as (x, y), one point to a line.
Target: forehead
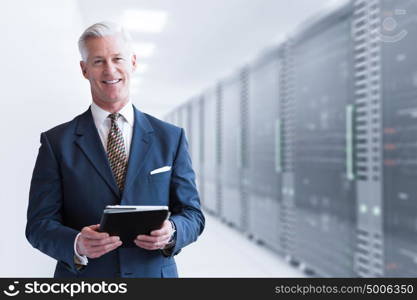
(105, 46)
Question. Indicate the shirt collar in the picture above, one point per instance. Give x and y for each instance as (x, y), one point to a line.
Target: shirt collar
(100, 115)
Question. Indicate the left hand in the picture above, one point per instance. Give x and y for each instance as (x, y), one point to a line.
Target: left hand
(158, 238)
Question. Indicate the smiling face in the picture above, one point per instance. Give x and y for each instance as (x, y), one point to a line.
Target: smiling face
(109, 68)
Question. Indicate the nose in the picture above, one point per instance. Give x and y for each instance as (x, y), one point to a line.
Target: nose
(110, 68)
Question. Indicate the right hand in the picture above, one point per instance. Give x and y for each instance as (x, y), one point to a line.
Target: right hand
(94, 244)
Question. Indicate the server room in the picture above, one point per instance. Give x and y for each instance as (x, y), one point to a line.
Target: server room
(298, 118)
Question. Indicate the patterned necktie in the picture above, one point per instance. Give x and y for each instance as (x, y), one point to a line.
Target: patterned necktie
(116, 151)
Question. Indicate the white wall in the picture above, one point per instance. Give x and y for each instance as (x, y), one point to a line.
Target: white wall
(40, 86)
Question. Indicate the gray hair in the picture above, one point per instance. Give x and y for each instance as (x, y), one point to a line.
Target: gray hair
(102, 29)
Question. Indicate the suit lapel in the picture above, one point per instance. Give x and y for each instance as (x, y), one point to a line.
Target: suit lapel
(89, 142)
(142, 139)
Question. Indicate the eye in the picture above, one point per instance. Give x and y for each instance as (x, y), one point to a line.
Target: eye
(119, 58)
(97, 61)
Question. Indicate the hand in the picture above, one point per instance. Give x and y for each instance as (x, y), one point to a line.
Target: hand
(158, 238)
(94, 244)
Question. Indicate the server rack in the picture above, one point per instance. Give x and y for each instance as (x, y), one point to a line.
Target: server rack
(196, 141)
(368, 124)
(230, 158)
(264, 150)
(209, 165)
(189, 124)
(324, 195)
(286, 140)
(386, 99)
(336, 103)
(185, 119)
(399, 73)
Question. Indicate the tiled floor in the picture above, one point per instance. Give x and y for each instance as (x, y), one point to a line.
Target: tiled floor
(223, 252)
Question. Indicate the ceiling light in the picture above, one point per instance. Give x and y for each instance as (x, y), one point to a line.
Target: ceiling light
(151, 21)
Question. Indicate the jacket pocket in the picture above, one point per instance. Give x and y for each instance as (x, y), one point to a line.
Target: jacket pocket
(164, 176)
(160, 184)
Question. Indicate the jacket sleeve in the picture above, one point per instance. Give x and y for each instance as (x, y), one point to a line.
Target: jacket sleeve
(184, 199)
(44, 228)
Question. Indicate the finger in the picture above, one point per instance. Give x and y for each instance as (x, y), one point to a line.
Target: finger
(152, 245)
(160, 232)
(91, 234)
(111, 247)
(104, 247)
(147, 238)
(109, 240)
(147, 246)
(152, 239)
(165, 229)
(95, 227)
(101, 250)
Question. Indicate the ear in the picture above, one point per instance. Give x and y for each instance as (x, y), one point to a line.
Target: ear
(134, 64)
(83, 66)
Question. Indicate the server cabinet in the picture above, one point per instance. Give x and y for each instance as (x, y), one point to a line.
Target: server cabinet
(196, 141)
(230, 162)
(313, 149)
(264, 157)
(325, 190)
(399, 73)
(368, 124)
(392, 139)
(209, 165)
(188, 123)
(184, 118)
(285, 140)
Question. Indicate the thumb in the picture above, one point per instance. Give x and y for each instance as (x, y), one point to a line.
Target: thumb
(95, 227)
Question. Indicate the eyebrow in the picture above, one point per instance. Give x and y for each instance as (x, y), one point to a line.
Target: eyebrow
(116, 54)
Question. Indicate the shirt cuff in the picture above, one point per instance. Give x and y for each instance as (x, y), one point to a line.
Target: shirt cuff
(79, 259)
(167, 251)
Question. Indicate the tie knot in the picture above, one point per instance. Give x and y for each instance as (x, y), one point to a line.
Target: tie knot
(114, 117)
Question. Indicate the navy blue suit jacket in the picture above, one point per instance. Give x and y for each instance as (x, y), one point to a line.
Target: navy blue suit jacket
(72, 182)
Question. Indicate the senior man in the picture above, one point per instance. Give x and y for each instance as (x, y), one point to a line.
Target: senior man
(106, 156)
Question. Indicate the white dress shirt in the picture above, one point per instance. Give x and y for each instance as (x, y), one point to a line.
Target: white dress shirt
(125, 123)
(103, 123)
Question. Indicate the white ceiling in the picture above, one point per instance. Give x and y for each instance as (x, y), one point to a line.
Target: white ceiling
(202, 41)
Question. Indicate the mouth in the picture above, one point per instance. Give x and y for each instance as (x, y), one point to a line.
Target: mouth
(115, 81)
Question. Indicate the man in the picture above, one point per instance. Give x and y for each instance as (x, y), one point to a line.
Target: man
(111, 154)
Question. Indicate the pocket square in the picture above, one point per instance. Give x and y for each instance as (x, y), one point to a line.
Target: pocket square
(160, 170)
